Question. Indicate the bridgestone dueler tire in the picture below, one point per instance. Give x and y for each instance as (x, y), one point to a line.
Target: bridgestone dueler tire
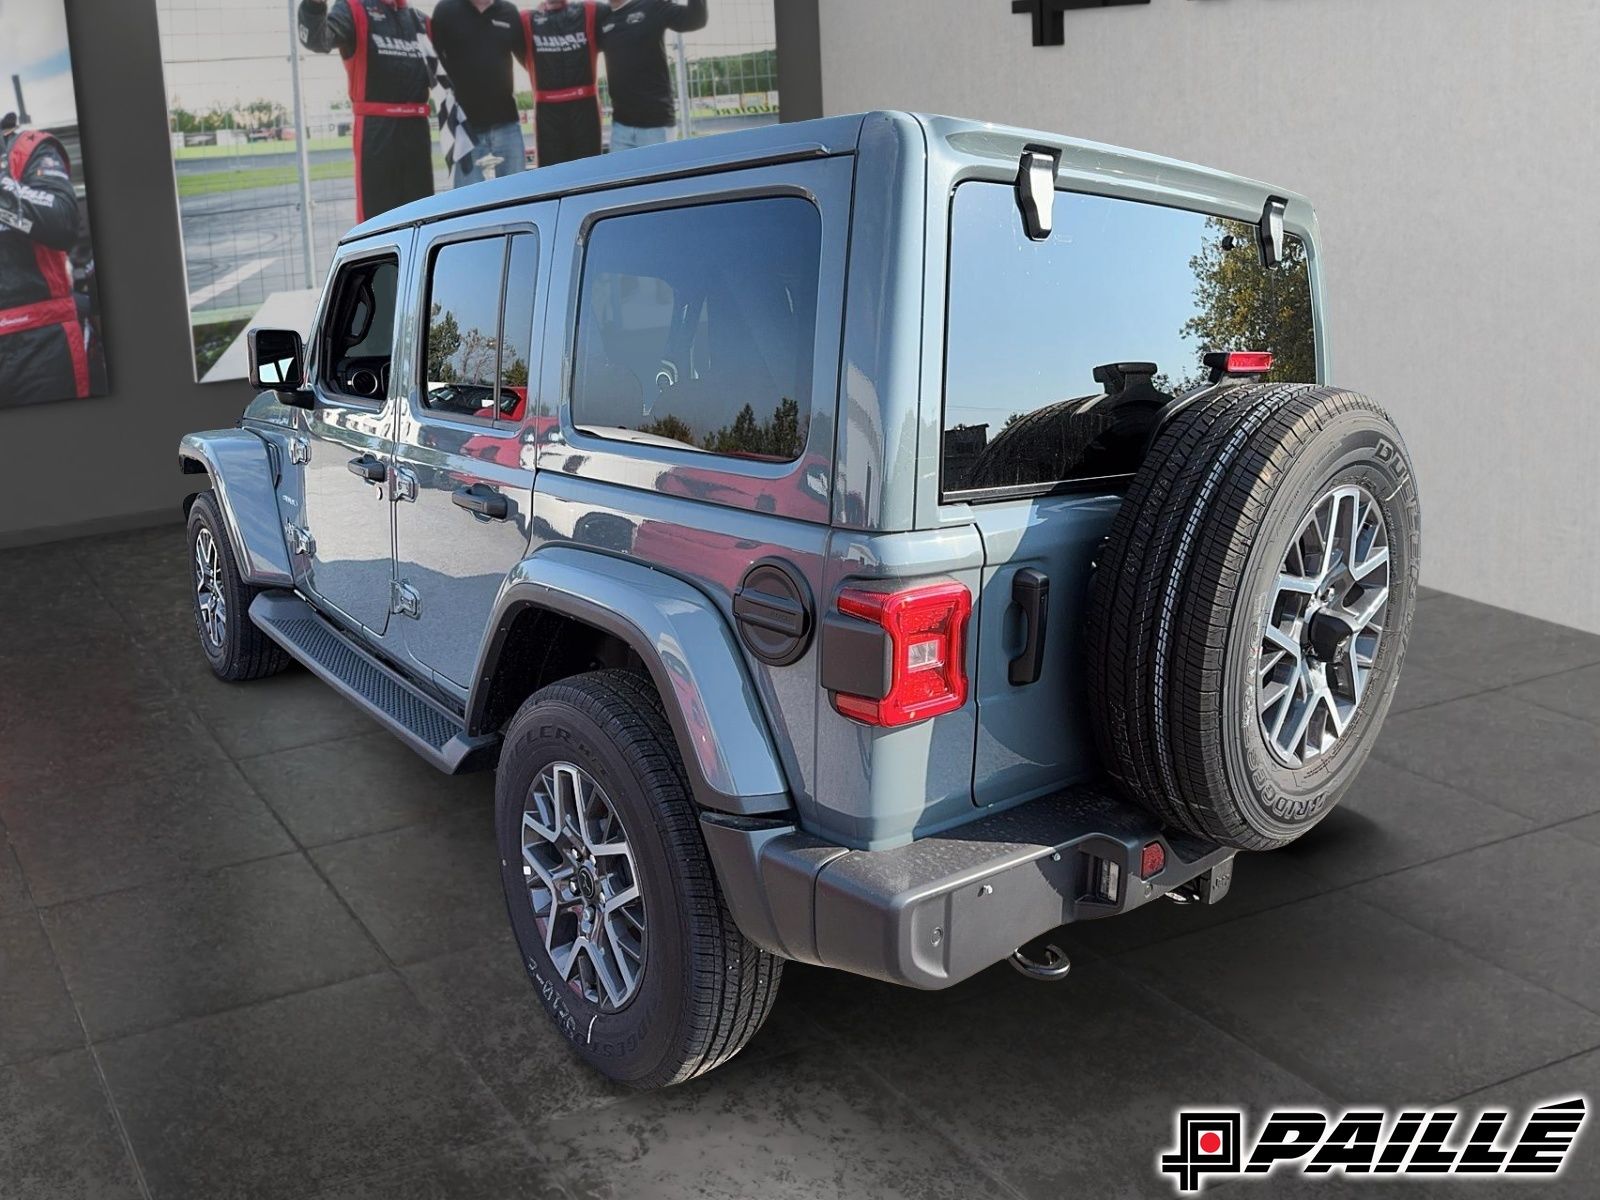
(705, 989)
(1181, 591)
(246, 652)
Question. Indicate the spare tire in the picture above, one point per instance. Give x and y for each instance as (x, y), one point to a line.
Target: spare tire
(1250, 608)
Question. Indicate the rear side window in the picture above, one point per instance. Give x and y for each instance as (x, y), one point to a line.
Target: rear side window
(480, 328)
(1118, 284)
(696, 327)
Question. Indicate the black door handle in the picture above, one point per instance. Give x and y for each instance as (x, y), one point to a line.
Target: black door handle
(1031, 590)
(369, 468)
(483, 500)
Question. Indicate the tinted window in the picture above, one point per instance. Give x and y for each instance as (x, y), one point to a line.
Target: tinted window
(463, 349)
(358, 335)
(516, 338)
(1118, 282)
(696, 326)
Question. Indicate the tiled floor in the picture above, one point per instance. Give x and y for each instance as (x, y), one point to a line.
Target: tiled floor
(249, 946)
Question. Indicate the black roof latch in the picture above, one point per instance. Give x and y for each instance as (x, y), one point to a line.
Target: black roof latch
(1269, 233)
(1036, 190)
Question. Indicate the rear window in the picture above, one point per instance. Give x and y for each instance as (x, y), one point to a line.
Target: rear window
(1118, 282)
(697, 326)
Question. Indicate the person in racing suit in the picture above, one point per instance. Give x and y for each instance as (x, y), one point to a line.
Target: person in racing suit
(43, 350)
(381, 44)
(562, 50)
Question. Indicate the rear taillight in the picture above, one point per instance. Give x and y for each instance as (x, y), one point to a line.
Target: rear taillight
(926, 628)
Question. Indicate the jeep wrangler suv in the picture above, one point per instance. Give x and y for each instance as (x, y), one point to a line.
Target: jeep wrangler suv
(873, 542)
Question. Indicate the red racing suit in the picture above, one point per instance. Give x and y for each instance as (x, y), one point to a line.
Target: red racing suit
(43, 352)
(561, 47)
(380, 42)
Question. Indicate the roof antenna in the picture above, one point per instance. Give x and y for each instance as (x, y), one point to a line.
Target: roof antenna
(1036, 190)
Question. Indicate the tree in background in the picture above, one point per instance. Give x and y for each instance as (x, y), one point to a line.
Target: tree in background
(1241, 306)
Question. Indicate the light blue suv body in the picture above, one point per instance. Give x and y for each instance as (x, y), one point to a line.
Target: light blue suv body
(439, 553)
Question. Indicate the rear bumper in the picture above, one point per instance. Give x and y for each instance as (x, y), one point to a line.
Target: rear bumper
(932, 913)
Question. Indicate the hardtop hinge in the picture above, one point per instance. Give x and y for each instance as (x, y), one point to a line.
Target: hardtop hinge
(299, 538)
(299, 451)
(404, 600)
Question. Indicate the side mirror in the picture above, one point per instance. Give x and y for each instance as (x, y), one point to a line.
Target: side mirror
(277, 363)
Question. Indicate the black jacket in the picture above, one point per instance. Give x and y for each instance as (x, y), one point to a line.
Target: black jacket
(478, 51)
(633, 38)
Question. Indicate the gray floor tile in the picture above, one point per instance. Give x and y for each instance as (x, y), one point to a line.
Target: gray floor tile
(1064, 1088)
(293, 1096)
(14, 899)
(92, 712)
(1420, 687)
(1577, 1076)
(272, 715)
(183, 948)
(361, 785)
(38, 585)
(98, 839)
(1391, 819)
(36, 1016)
(1494, 646)
(803, 1125)
(1260, 881)
(58, 1140)
(1534, 762)
(425, 890)
(1576, 693)
(1527, 905)
(484, 1002)
(506, 1169)
(1587, 828)
(1366, 1007)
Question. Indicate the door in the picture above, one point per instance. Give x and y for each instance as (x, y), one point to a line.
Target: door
(344, 526)
(467, 434)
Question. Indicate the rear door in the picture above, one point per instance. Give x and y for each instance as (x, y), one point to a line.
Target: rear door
(1060, 355)
(342, 530)
(467, 431)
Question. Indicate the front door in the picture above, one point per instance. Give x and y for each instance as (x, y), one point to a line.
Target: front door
(344, 526)
(467, 433)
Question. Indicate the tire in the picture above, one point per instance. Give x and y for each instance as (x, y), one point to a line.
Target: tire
(238, 650)
(1196, 705)
(702, 989)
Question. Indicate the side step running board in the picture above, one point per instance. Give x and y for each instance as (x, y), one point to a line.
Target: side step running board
(429, 728)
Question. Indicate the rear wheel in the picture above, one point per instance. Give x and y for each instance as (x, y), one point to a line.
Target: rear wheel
(1250, 609)
(612, 898)
(234, 647)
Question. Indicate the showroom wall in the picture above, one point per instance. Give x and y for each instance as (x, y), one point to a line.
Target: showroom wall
(1456, 188)
(80, 466)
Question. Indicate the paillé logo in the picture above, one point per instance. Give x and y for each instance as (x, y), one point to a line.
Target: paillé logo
(1366, 1143)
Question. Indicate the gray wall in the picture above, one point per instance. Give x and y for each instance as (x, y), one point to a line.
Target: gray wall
(78, 466)
(1450, 149)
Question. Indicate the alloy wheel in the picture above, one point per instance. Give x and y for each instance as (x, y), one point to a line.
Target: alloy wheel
(584, 886)
(1321, 636)
(210, 602)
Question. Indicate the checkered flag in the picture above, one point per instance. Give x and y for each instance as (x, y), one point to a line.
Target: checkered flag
(454, 140)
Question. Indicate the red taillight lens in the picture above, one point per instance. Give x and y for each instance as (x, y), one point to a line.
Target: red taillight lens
(1153, 860)
(1248, 362)
(927, 637)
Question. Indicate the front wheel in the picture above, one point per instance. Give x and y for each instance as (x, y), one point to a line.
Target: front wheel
(234, 647)
(614, 903)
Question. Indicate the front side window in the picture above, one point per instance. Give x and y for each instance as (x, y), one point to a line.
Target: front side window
(480, 328)
(697, 326)
(1061, 353)
(358, 333)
